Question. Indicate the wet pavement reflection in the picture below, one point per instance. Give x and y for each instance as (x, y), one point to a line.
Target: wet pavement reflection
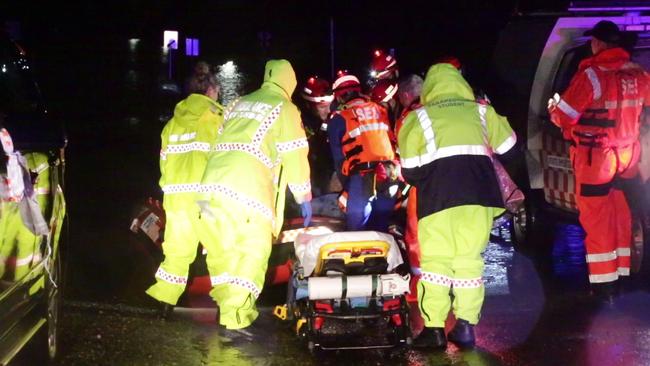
(530, 317)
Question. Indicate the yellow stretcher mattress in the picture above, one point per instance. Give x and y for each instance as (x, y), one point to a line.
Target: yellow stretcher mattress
(311, 250)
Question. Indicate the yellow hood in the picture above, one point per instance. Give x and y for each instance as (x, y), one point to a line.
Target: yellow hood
(444, 81)
(280, 74)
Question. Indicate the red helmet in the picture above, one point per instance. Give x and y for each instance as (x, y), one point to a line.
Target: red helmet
(317, 90)
(453, 60)
(383, 91)
(345, 82)
(383, 65)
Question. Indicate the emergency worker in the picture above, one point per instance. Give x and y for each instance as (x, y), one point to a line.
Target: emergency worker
(17, 238)
(409, 98)
(359, 135)
(383, 93)
(260, 150)
(186, 141)
(318, 98)
(446, 149)
(28, 251)
(600, 113)
(383, 66)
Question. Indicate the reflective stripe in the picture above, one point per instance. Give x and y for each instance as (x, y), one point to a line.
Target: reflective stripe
(300, 188)
(390, 92)
(612, 104)
(382, 73)
(181, 188)
(184, 137)
(468, 283)
(185, 148)
(607, 277)
(236, 281)
(482, 113)
(42, 191)
(322, 99)
(266, 125)
(379, 126)
(39, 169)
(247, 148)
(24, 261)
(567, 109)
(284, 147)
(507, 144)
(343, 79)
(243, 199)
(601, 257)
(427, 129)
(623, 252)
(623, 271)
(448, 151)
(171, 278)
(445, 152)
(219, 280)
(436, 279)
(229, 108)
(595, 83)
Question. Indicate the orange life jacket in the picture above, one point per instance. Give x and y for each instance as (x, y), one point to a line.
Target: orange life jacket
(367, 136)
(603, 104)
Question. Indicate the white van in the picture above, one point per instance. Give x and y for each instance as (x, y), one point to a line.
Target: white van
(536, 56)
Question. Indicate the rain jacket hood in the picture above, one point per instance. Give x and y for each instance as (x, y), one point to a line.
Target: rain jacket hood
(613, 58)
(190, 110)
(444, 81)
(279, 76)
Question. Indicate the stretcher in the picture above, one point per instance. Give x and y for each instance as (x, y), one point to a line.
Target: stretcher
(348, 291)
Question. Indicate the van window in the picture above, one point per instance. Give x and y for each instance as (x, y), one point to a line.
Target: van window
(569, 66)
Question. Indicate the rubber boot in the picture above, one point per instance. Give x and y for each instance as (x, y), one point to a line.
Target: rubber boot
(162, 310)
(431, 338)
(605, 292)
(165, 310)
(463, 334)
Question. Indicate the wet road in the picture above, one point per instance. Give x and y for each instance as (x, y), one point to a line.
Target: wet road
(535, 313)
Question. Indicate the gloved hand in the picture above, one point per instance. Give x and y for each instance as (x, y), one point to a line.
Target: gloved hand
(553, 102)
(305, 211)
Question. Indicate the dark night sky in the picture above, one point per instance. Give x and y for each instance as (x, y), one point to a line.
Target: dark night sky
(79, 48)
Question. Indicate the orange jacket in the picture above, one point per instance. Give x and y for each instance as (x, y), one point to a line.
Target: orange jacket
(367, 135)
(604, 101)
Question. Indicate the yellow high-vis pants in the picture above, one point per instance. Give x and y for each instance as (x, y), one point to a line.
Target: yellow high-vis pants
(242, 240)
(451, 243)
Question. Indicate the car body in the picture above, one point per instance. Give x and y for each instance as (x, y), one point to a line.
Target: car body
(29, 300)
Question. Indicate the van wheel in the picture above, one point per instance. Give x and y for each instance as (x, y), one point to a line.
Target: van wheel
(523, 224)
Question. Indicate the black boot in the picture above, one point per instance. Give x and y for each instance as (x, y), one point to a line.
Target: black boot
(605, 292)
(162, 310)
(463, 334)
(431, 338)
(165, 310)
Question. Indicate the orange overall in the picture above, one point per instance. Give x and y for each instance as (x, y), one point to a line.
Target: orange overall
(600, 112)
